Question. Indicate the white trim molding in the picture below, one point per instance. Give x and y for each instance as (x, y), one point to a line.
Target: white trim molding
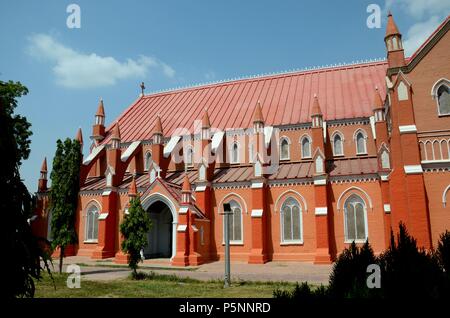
(257, 213)
(103, 216)
(200, 188)
(320, 180)
(407, 129)
(387, 208)
(257, 185)
(321, 210)
(181, 228)
(183, 210)
(413, 169)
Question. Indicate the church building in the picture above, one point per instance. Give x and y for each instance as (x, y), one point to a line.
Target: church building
(308, 161)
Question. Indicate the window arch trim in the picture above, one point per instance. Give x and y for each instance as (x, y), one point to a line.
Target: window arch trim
(366, 226)
(89, 205)
(284, 241)
(303, 137)
(285, 138)
(434, 93)
(333, 136)
(363, 194)
(355, 139)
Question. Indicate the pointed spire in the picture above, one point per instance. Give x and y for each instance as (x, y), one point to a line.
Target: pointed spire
(44, 165)
(116, 132)
(186, 184)
(205, 119)
(158, 127)
(79, 136)
(100, 109)
(377, 102)
(132, 190)
(315, 111)
(391, 28)
(257, 115)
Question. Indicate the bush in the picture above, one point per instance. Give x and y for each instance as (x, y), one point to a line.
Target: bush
(349, 275)
(443, 252)
(407, 271)
(302, 292)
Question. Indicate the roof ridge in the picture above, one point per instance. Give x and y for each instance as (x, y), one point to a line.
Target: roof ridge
(321, 68)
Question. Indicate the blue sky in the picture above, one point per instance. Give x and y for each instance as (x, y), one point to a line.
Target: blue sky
(175, 43)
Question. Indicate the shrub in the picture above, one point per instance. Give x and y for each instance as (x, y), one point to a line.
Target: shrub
(349, 275)
(407, 271)
(302, 292)
(443, 252)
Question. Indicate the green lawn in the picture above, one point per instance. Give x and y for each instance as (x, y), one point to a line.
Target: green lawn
(155, 286)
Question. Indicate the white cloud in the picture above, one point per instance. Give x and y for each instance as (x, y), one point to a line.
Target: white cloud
(419, 9)
(418, 33)
(425, 15)
(79, 70)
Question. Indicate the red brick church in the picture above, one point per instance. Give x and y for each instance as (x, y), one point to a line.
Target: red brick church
(309, 161)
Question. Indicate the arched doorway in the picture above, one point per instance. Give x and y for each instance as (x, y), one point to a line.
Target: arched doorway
(160, 235)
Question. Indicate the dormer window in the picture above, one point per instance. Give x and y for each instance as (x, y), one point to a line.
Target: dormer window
(306, 147)
(284, 148)
(234, 153)
(338, 145)
(147, 160)
(361, 145)
(189, 157)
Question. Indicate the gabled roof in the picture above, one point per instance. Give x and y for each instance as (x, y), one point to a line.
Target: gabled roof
(344, 92)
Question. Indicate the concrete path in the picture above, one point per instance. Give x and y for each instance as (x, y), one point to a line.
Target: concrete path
(272, 271)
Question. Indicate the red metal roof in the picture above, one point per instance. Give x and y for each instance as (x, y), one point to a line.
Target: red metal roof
(343, 92)
(298, 170)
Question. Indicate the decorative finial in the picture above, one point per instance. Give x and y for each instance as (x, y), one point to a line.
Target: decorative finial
(142, 88)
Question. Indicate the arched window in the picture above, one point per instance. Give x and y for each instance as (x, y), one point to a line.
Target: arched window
(189, 157)
(355, 219)
(361, 147)
(385, 163)
(251, 155)
(235, 222)
(284, 149)
(306, 147)
(338, 145)
(91, 225)
(291, 221)
(147, 160)
(443, 97)
(235, 153)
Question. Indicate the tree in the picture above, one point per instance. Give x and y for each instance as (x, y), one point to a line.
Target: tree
(65, 177)
(23, 251)
(134, 229)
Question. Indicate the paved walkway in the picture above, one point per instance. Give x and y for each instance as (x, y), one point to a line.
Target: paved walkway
(272, 271)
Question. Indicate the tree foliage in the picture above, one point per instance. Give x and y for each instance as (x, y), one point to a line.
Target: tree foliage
(23, 250)
(65, 177)
(134, 229)
(406, 272)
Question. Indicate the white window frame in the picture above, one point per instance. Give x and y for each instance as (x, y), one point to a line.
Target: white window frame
(310, 146)
(147, 160)
(355, 139)
(86, 228)
(189, 152)
(335, 134)
(283, 241)
(366, 228)
(286, 139)
(231, 152)
(434, 93)
(236, 205)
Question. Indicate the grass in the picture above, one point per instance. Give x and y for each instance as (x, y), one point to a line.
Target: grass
(156, 285)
